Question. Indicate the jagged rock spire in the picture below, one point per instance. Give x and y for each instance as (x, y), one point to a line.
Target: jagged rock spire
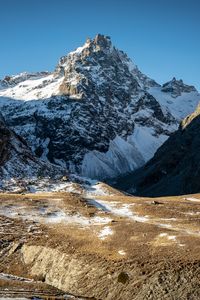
(102, 41)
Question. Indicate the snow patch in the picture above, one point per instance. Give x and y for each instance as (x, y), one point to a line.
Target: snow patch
(122, 252)
(119, 209)
(167, 236)
(164, 225)
(192, 199)
(79, 49)
(172, 237)
(105, 232)
(51, 214)
(46, 185)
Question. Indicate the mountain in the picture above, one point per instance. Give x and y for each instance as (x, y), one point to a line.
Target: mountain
(17, 159)
(177, 87)
(175, 168)
(97, 114)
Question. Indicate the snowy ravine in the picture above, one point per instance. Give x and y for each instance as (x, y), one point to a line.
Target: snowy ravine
(96, 115)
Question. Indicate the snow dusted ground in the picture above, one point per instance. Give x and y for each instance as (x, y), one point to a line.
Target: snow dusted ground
(118, 209)
(96, 194)
(74, 184)
(109, 205)
(51, 214)
(45, 186)
(126, 210)
(106, 231)
(86, 186)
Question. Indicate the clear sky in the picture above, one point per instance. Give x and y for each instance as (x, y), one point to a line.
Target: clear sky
(161, 36)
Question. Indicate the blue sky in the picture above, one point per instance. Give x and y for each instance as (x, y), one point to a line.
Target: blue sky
(162, 37)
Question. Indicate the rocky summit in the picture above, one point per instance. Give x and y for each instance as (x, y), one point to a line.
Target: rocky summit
(97, 114)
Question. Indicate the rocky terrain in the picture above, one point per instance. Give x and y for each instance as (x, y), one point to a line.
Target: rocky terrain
(175, 168)
(97, 243)
(97, 114)
(18, 161)
(65, 235)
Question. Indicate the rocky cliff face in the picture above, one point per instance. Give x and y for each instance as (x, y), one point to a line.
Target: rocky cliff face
(97, 114)
(175, 168)
(17, 159)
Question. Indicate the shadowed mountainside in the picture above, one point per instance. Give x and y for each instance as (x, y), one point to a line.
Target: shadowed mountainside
(175, 168)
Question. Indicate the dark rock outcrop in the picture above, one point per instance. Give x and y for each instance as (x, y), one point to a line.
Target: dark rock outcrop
(17, 160)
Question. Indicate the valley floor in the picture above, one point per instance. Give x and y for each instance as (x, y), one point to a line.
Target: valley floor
(99, 246)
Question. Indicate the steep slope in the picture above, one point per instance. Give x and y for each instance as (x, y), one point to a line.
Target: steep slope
(175, 168)
(97, 114)
(180, 99)
(17, 160)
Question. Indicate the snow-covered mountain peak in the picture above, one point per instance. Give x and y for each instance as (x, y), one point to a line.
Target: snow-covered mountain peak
(99, 43)
(97, 114)
(95, 68)
(177, 87)
(99, 64)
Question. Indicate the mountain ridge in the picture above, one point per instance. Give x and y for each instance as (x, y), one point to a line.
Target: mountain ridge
(96, 115)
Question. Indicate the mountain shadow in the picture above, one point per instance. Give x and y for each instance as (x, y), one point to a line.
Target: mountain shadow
(175, 167)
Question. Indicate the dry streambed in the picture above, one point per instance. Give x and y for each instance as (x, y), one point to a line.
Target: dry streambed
(103, 246)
